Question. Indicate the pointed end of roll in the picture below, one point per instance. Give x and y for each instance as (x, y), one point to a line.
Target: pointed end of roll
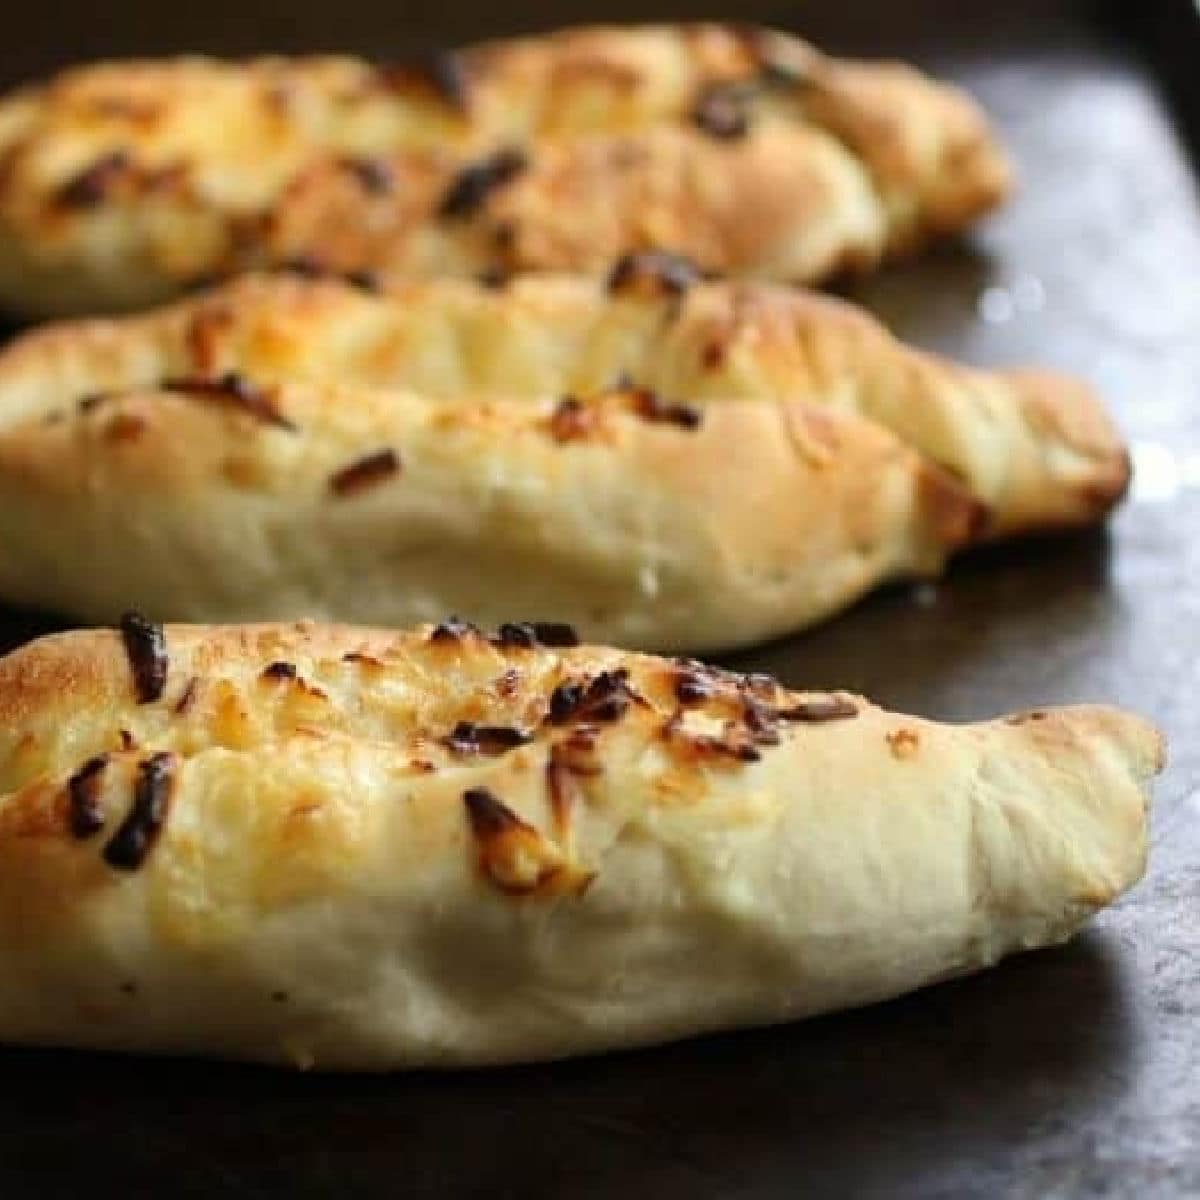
(1097, 766)
(1085, 466)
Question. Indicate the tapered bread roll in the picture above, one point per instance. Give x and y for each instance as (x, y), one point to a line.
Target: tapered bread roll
(666, 463)
(345, 848)
(122, 183)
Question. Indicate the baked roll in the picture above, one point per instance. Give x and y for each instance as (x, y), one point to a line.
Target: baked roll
(347, 848)
(664, 465)
(122, 183)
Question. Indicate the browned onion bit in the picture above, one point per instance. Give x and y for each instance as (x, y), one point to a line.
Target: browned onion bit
(439, 72)
(373, 174)
(362, 660)
(565, 701)
(125, 427)
(653, 273)
(146, 646)
(606, 697)
(488, 815)
(754, 698)
(504, 238)
(692, 688)
(527, 635)
(490, 740)
(823, 708)
(722, 110)
(572, 420)
(509, 683)
(555, 633)
(762, 683)
(453, 629)
(1021, 718)
(365, 473)
(717, 677)
(279, 670)
(493, 278)
(235, 389)
(732, 742)
(304, 265)
(759, 720)
(365, 281)
(83, 793)
(91, 185)
(518, 635)
(136, 835)
(471, 187)
(185, 701)
(651, 407)
(308, 266)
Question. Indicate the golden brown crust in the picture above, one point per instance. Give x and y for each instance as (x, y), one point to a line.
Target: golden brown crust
(264, 448)
(780, 204)
(1035, 449)
(444, 847)
(121, 183)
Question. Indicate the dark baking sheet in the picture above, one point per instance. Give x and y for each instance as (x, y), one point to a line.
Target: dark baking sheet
(1065, 1073)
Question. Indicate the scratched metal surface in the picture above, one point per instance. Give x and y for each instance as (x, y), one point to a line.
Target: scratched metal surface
(1065, 1073)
